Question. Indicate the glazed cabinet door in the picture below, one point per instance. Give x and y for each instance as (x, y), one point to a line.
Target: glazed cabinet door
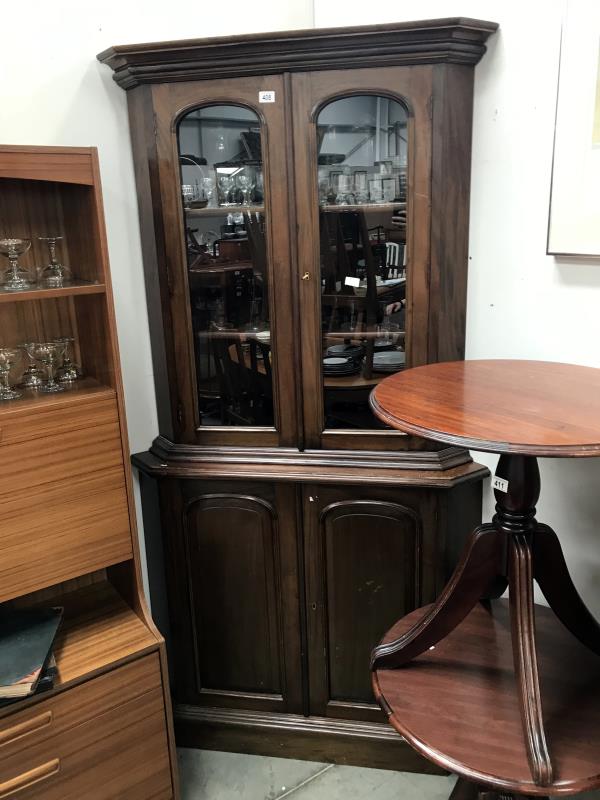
(370, 559)
(381, 161)
(217, 238)
(232, 579)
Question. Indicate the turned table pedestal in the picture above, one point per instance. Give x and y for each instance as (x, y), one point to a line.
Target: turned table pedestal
(503, 692)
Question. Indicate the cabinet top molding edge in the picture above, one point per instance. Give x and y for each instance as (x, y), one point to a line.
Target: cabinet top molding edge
(457, 40)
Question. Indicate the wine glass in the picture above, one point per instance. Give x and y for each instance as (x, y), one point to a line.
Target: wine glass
(17, 279)
(246, 184)
(8, 357)
(53, 275)
(68, 371)
(32, 377)
(225, 185)
(48, 354)
(208, 187)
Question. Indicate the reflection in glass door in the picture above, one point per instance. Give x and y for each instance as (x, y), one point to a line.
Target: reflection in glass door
(362, 184)
(222, 188)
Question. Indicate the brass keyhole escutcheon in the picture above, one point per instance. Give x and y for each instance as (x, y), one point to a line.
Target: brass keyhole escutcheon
(306, 276)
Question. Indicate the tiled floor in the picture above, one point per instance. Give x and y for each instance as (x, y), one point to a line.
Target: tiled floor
(222, 776)
(209, 775)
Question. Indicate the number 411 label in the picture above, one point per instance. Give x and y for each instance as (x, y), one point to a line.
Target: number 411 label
(500, 484)
(266, 97)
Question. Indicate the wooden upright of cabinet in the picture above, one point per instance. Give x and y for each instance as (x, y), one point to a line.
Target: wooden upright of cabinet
(304, 206)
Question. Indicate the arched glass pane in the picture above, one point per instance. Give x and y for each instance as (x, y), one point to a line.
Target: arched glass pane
(222, 188)
(362, 180)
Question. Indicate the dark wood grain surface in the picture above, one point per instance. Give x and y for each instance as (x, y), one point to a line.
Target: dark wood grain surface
(457, 40)
(536, 408)
(457, 704)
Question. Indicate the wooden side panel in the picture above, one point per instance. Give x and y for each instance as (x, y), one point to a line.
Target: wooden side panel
(102, 740)
(75, 475)
(364, 561)
(452, 114)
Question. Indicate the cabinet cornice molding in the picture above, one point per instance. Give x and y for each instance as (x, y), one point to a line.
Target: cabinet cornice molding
(456, 41)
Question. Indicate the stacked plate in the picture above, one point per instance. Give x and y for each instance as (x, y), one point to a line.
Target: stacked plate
(355, 351)
(389, 361)
(340, 365)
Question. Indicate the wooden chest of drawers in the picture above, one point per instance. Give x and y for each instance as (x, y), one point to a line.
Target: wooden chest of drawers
(101, 740)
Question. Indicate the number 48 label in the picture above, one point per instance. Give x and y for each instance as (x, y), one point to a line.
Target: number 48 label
(500, 484)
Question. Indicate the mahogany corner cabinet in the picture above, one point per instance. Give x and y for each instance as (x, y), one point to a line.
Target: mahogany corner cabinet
(304, 201)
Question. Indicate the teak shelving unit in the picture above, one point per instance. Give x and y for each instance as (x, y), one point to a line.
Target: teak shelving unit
(68, 531)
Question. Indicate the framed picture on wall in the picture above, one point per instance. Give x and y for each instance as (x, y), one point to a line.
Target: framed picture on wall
(574, 223)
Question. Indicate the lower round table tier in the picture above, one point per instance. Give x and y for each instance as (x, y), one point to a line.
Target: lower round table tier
(503, 406)
(457, 704)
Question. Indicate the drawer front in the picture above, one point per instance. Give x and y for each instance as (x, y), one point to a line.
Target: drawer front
(63, 497)
(104, 740)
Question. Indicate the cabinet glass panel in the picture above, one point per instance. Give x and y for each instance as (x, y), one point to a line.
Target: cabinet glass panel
(362, 180)
(222, 192)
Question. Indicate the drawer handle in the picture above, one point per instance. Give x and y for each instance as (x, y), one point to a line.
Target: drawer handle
(23, 728)
(27, 779)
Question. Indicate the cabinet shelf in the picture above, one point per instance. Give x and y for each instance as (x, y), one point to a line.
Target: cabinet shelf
(99, 631)
(222, 211)
(73, 289)
(400, 205)
(82, 389)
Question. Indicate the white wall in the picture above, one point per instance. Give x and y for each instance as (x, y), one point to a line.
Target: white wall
(522, 303)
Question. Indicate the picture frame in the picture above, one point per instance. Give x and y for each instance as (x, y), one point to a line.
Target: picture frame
(574, 214)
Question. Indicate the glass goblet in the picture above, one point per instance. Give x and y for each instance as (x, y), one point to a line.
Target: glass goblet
(32, 377)
(17, 279)
(246, 184)
(48, 354)
(68, 371)
(53, 275)
(225, 185)
(8, 358)
(208, 187)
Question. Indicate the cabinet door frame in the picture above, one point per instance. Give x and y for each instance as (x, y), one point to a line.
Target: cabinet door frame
(170, 102)
(279, 502)
(422, 508)
(413, 87)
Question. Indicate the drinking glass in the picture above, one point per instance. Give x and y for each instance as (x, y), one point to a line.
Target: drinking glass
(225, 185)
(17, 279)
(246, 184)
(32, 377)
(68, 371)
(48, 354)
(53, 275)
(208, 187)
(8, 357)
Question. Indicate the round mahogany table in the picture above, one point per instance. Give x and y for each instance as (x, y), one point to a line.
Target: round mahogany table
(503, 692)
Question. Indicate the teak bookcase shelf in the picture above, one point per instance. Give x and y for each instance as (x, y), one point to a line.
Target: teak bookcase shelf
(68, 532)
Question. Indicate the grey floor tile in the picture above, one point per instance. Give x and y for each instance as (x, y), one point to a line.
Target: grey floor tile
(354, 783)
(209, 775)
